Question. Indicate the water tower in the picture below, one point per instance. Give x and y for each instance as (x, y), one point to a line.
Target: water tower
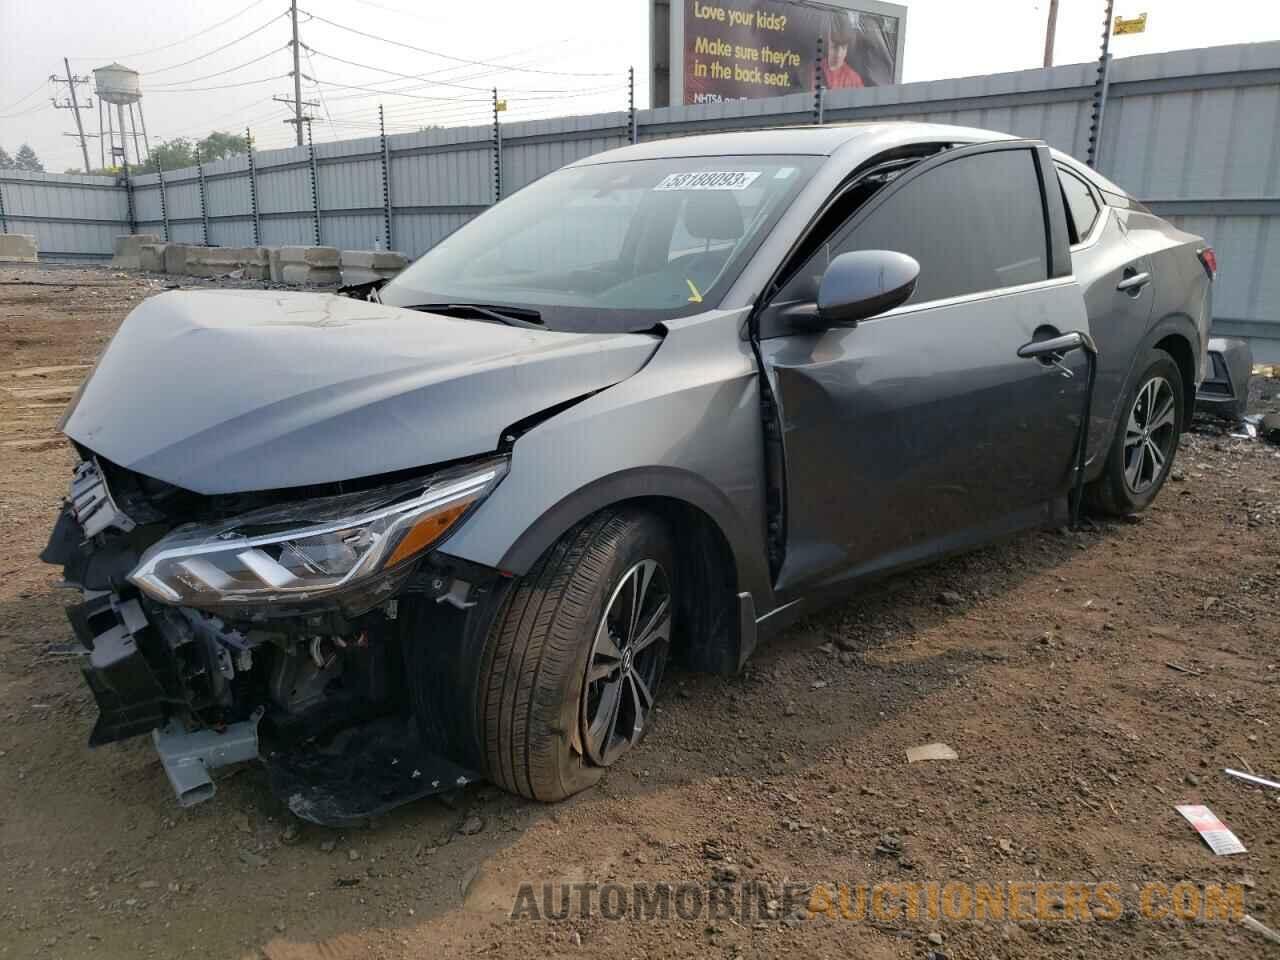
(118, 86)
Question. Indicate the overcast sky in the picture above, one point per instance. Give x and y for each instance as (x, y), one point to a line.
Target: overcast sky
(574, 55)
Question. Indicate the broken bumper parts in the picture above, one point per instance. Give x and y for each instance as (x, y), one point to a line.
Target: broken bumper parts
(290, 652)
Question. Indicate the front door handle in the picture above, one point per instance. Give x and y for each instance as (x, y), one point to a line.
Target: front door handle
(1133, 281)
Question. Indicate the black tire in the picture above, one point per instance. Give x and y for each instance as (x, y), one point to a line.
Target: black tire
(1113, 493)
(533, 671)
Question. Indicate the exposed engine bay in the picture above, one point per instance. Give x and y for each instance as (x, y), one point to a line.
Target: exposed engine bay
(256, 628)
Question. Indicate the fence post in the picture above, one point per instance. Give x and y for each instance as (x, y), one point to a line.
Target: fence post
(315, 184)
(631, 106)
(164, 203)
(128, 195)
(386, 180)
(253, 190)
(819, 101)
(1100, 89)
(497, 150)
(204, 209)
(4, 222)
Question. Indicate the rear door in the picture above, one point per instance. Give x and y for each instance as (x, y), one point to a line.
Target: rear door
(1105, 260)
(920, 430)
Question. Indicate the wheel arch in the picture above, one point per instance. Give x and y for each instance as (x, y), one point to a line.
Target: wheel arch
(1173, 339)
(718, 555)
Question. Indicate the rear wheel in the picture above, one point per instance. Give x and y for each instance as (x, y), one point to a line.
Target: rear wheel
(573, 663)
(1145, 442)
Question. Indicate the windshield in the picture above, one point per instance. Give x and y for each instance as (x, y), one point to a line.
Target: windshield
(612, 246)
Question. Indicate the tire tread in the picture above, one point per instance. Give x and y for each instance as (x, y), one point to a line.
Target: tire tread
(538, 637)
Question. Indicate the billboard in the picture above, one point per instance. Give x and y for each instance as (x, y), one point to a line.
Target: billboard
(715, 50)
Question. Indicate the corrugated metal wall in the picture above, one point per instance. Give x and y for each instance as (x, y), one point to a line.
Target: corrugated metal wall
(76, 214)
(1195, 133)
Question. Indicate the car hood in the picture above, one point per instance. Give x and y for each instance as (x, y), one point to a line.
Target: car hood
(235, 390)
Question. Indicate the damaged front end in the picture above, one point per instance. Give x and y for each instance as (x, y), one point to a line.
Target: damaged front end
(268, 625)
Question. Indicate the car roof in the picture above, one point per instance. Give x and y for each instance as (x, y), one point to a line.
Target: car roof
(854, 141)
(819, 141)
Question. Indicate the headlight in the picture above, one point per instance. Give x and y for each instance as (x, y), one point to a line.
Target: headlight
(315, 548)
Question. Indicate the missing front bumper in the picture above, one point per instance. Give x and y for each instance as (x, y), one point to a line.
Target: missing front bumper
(129, 686)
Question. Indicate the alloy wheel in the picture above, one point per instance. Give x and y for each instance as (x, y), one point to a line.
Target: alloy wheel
(625, 666)
(1150, 434)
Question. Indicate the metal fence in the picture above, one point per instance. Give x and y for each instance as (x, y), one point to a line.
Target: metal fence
(1194, 133)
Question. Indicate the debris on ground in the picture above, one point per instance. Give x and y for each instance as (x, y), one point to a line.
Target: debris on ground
(1269, 427)
(1212, 830)
(931, 751)
(1252, 778)
(1258, 927)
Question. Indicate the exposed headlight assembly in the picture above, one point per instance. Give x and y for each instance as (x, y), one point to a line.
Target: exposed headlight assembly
(310, 550)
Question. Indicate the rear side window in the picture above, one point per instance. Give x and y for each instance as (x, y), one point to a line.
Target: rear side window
(1082, 208)
(975, 223)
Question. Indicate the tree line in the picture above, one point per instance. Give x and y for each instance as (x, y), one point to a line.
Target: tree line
(167, 154)
(25, 159)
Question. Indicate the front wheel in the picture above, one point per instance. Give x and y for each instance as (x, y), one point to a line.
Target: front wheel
(1146, 440)
(572, 665)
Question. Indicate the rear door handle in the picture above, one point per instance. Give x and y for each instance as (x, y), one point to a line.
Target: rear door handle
(1133, 281)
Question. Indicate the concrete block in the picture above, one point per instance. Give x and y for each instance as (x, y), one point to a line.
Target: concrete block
(311, 256)
(366, 266)
(18, 248)
(256, 263)
(151, 257)
(126, 249)
(198, 263)
(374, 260)
(274, 267)
(299, 274)
(175, 258)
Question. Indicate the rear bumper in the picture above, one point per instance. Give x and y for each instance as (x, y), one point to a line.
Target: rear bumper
(1224, 392)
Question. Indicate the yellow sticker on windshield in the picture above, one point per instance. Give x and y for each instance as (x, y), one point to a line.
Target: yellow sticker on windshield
(709, 180)
(697, 297)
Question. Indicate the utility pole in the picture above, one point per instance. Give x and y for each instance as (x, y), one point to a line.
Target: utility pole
(1050, 33)
(298, 118)
(297, 73)
(73, 104)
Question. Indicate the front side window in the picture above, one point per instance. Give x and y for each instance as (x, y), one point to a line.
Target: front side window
(975, 223)
(614, 246)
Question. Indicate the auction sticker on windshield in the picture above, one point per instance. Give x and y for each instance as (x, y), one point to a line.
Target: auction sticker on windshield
(709, 180)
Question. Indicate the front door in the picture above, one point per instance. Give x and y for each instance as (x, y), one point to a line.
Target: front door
(921, 430)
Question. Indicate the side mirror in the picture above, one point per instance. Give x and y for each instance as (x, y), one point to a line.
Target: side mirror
(864, 283)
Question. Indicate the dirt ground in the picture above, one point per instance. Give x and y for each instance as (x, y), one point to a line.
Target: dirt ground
(1044, 662)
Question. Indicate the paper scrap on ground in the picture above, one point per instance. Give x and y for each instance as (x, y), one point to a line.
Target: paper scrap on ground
(1212, 830)
(931, 751)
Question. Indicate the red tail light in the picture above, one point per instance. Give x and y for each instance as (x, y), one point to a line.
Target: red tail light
(1210, 261)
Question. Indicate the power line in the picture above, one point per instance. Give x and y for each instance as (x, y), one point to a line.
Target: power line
(423, 76)
(222, 86)
(230, 43)
(210, 76)
(319, 92)
(398, 93)
(22, 113)
(39, 87)
(445, 56)
(177, 43)
(389, 85)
